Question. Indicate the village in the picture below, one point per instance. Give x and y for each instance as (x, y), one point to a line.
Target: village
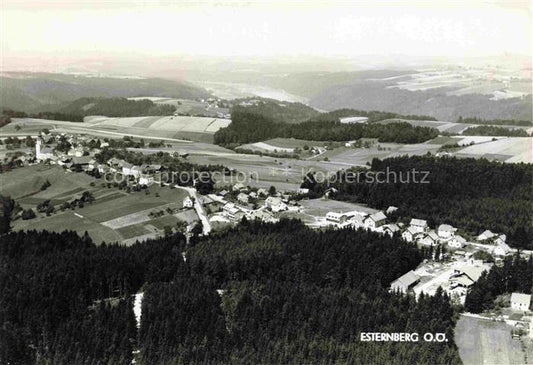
(457, 259)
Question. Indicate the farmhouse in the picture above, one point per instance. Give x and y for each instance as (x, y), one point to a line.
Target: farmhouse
(520, 301)
(390, 229)
(409, 234)
(335, 217)
(418, 225)
(80, 162)
(429, 239)
(375, 220)
(275, 204)
(263, 215)
(243, 198)
(126, 168)
(465, 276)
(501, 250)
(230, 210)
(405, 282)
(446, 231)
(485, 236)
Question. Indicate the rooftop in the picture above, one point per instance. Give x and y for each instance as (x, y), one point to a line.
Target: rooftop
(418, 222)
(407, 279)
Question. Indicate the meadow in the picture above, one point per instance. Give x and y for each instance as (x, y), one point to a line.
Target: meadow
(114, 216)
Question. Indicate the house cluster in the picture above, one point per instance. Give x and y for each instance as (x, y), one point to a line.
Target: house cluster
(418, 231)
(265, 208)
(376, 222)
(456, 280)
(78, 148)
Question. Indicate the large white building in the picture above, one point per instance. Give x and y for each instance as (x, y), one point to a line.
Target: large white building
(42, 153)
(520, 301)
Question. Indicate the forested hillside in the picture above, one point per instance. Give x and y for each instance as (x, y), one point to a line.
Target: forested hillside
(64, 300)
(379, 90)
(292, 295)
(110, 107)
(286, 294)
(116, 107)
(471, 194)
(278, 111)
(40, 92)
(249, 127)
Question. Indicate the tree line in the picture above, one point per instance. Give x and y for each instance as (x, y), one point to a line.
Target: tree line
(475, 120)
(248, 127)
(490, 130)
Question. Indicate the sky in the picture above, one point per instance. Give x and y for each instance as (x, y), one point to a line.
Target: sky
(453, 29)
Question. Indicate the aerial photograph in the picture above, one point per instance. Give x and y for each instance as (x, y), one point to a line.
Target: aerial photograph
(266, 182)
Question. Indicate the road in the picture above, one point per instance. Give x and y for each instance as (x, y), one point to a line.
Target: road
(198, 207)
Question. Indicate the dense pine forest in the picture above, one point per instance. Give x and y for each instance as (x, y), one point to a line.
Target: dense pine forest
(256, 293)
(249, 127)
(474, 120)
(515, 275)
(490, 130)
(64, 300)
(474, 195)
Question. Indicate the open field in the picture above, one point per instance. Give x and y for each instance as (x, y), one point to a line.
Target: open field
(483, 341)
(266, 147)
(320, 207)
(115, 215)
(517, 149)
(282, 145)
(282, 172)
(508, 149)
(169, 127)
(292, 142)
(28, 181)
(499, 83)
(313, 211)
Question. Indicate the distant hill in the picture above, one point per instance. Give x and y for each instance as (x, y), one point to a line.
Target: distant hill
(278, 111)
(116, 107)
(405, 92)
(33, 92)
(76, 110)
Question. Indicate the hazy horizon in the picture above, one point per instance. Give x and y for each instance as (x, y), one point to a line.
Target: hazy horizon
(339, 35)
